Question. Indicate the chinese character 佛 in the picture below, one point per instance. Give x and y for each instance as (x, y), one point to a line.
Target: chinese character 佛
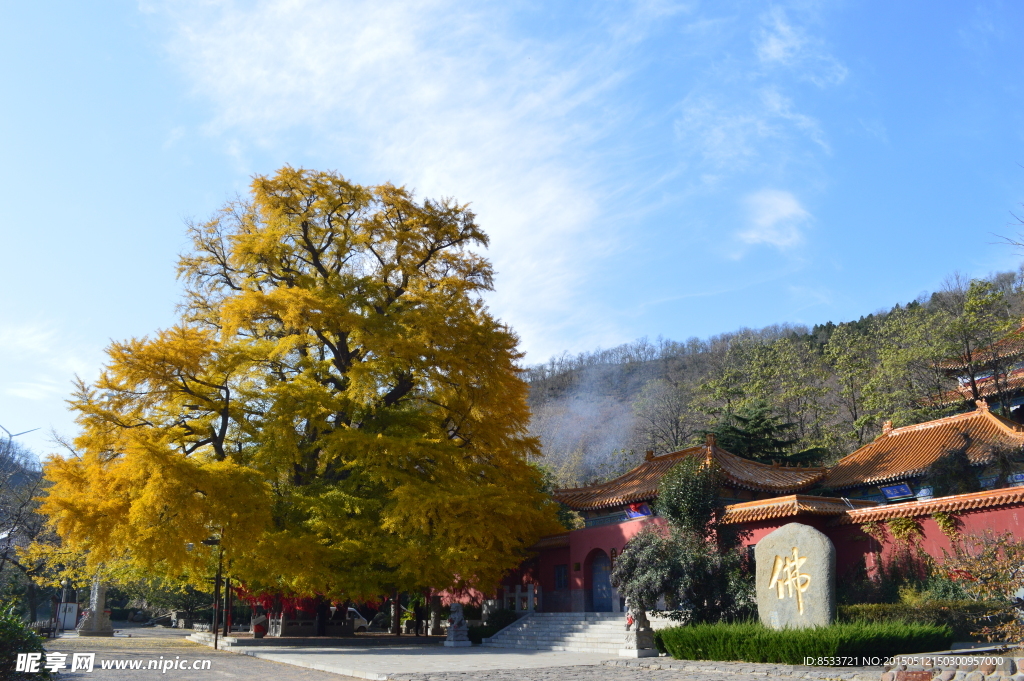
(787, 578)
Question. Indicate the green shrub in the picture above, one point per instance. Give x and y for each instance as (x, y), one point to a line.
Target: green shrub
(478, 634)
(16, 637)
(962, 617)
(753, 642)
(501, 618)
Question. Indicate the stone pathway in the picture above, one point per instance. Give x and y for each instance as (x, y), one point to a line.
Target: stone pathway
(227, 666)
(415, 663)
(419, 661)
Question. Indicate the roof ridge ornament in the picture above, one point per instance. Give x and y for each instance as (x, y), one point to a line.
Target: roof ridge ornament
(887, 427)
(710, 441)
(981, 404)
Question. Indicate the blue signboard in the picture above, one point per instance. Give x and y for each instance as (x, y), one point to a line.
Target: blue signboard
(638, 511)
(988, 481)
(900, 491)
(1015, 478)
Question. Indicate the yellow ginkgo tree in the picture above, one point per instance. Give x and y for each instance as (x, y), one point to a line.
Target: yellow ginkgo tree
(336, 406)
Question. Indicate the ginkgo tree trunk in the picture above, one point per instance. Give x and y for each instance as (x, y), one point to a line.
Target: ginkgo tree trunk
(336, 405)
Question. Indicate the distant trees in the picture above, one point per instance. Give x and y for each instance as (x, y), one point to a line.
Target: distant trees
(664, 420)
(976, 327)
(832, 385)
(755, 433)
(21, 481)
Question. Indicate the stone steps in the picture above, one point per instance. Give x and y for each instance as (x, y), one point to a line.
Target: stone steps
(568, 632)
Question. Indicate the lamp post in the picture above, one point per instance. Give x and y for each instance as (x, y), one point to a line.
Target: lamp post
(60, 608)
(214, 541)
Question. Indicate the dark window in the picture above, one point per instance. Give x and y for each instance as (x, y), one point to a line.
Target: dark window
(561, 576)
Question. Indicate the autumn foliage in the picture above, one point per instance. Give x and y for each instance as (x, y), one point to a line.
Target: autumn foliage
(336, 404)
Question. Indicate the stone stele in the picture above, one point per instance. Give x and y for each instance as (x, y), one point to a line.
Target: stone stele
(796, 578)
(97, 622)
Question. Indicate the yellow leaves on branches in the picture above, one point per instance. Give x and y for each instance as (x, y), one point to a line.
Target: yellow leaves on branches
(336, 404)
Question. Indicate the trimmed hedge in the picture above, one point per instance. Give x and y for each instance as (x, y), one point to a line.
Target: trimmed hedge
(502, 618)
(498, 620)
(753, 642)
(963, 617)
(478, 634)
(16, 637)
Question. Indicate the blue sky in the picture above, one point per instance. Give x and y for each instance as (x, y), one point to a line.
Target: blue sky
(643, 168)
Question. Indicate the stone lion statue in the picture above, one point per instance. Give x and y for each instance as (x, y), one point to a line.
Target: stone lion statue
(458, 630)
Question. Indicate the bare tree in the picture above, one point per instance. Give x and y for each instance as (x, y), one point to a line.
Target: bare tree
(21, 482)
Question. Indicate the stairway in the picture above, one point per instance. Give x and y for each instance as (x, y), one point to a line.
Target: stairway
(580, 632)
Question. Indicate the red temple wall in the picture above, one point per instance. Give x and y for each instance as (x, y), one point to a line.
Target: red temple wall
(854, 547)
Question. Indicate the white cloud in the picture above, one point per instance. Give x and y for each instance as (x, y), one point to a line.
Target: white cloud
(782, 107)
(453, 99)
(439, 96)
(38, 360)
(41, 389)
(778, 40)
(735, 135)
(779, 43)
(775, 218)
(37, 364)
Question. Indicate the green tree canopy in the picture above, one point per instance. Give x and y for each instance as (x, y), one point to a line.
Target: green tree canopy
(755, 433)
(695, 561)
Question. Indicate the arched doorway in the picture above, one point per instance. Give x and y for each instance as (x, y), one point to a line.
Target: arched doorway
(601, 582)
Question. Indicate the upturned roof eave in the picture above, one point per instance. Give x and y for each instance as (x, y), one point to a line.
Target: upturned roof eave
(810, 475)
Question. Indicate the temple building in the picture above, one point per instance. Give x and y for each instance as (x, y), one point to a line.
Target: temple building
(994, 373)
(882, 480)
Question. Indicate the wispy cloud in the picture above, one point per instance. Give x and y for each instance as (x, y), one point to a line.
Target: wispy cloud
(782, 107)
(740, 117)
(534, 127)
(776, 218)
(737, 135)
(779, 43)
(37, 362)
(443, 96)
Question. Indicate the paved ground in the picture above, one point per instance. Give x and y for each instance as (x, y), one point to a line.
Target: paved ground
(397, 663)
(168, 644)
(394, 662)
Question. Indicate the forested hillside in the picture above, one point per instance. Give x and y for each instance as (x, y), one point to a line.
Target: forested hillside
(822, 391)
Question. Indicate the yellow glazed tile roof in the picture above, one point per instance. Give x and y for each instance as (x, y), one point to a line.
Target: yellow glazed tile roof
(958, 503)
(987, 387)
(641, 483)
(1011, 345)
(908, 451)
(794, 504)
